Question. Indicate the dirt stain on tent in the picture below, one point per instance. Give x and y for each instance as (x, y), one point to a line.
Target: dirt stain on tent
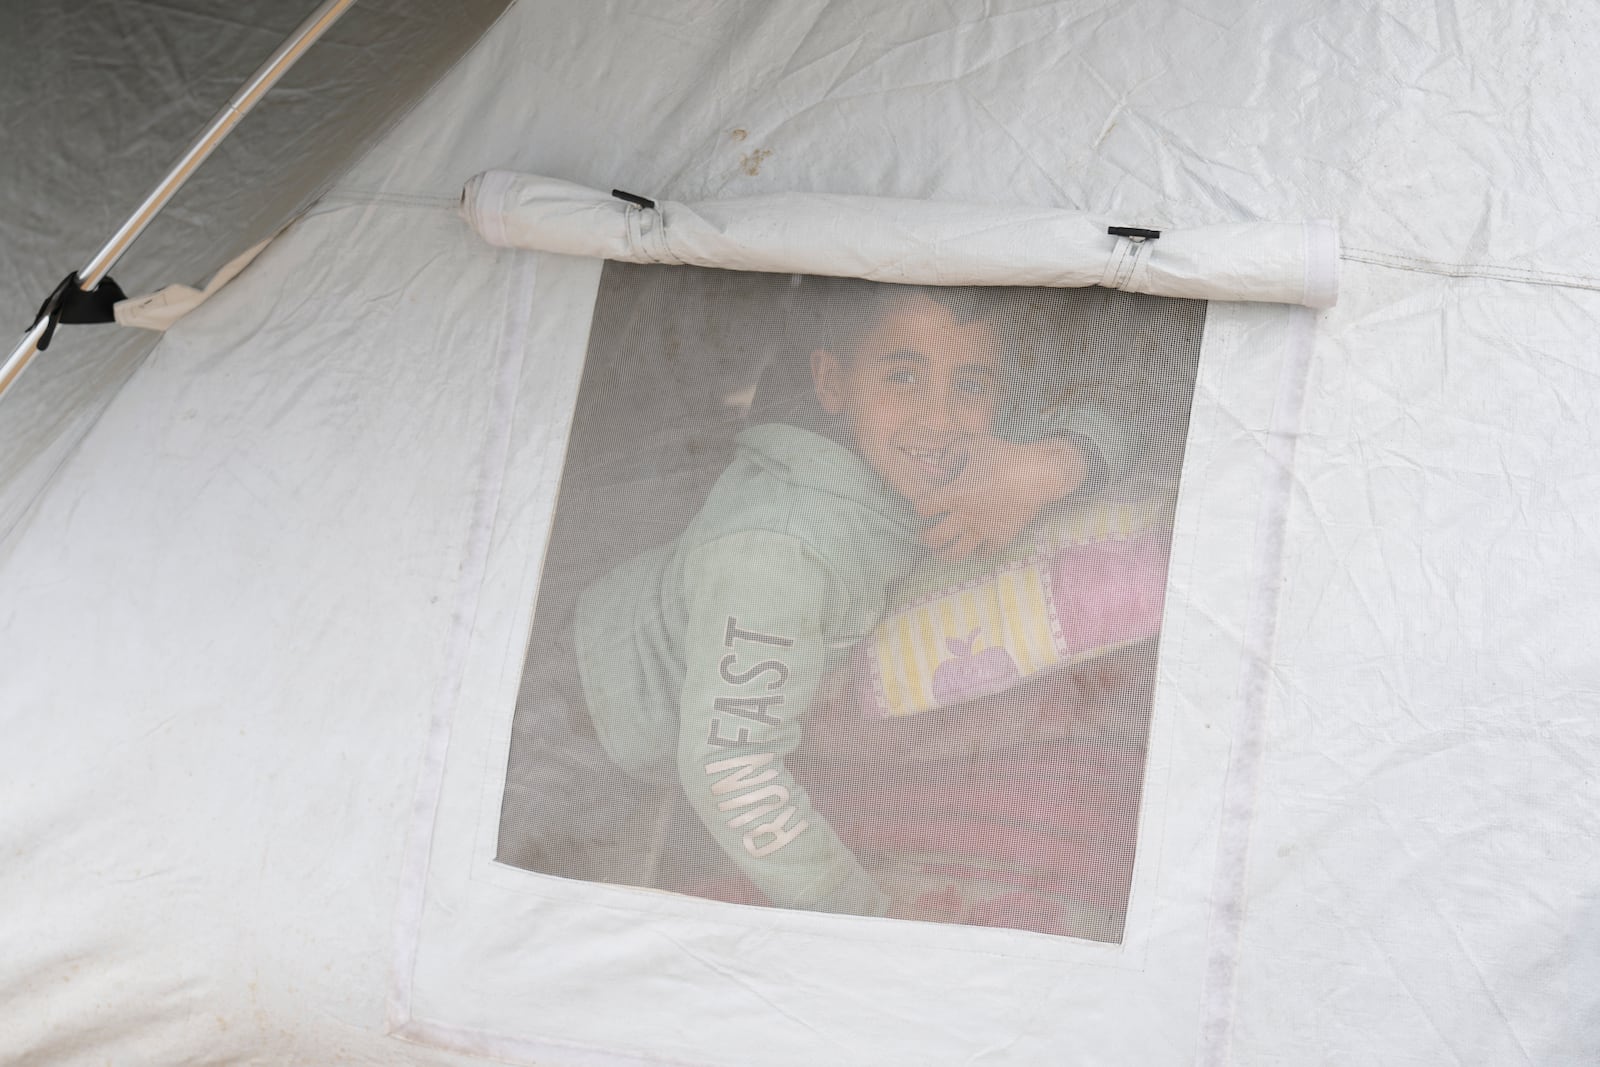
(750, 162)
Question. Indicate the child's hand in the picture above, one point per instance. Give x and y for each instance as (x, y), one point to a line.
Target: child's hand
(997, 493)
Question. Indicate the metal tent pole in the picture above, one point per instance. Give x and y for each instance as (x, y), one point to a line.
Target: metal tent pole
(237, 107)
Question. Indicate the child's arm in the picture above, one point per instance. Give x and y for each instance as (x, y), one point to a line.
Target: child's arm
(999, 491)
(755, 645)
(1009, 477)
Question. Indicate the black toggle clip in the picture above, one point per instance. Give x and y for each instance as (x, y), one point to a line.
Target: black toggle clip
(1133, 233)
(75, 307)
(633, 198)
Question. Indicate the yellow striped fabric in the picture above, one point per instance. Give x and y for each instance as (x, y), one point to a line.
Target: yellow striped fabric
(981, 636)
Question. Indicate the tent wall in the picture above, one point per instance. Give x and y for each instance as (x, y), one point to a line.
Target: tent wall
(231, 616)
(100, 99)
(1420, 887)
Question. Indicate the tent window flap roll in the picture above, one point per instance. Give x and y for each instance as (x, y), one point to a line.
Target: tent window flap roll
(918, 242)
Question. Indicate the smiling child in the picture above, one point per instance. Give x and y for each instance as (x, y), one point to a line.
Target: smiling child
(699, 659)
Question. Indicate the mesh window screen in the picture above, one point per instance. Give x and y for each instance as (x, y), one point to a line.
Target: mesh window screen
(853, 597)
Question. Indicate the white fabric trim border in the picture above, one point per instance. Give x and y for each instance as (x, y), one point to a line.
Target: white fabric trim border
(490, 479)
(1228, 890)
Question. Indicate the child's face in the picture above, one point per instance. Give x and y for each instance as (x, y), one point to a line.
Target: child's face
(919, 383)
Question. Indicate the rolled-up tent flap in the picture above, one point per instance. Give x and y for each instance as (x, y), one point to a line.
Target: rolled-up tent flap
(911, 241)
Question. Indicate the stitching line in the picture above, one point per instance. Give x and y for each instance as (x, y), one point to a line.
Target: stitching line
(1469, 270)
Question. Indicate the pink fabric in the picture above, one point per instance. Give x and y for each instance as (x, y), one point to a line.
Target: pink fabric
(1109, 593)
(1018, 808)
(1010, 810)
(997, 822)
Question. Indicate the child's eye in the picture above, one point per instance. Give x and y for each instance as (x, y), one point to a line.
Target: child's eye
(976, 387)
(902, 377)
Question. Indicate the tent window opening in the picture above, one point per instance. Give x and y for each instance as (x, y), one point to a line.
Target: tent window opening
(853, 595)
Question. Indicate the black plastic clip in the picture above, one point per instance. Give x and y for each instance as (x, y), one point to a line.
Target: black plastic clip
(1135, 233)
(633, 198)
(75, 307)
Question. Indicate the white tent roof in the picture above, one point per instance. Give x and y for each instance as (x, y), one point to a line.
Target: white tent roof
(101, 100)
(263, 593)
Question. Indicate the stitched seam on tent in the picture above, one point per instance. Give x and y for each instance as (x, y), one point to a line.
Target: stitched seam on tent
(532, 1050)
(413, 890)
(1469, 270)
(358, 198)
(1242, 786)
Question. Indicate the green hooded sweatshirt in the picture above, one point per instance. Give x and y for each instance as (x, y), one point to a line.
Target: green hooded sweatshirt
(699, 658)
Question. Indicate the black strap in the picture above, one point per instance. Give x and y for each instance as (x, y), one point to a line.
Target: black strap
(1138, 233)
(76, 307)
(634, 198)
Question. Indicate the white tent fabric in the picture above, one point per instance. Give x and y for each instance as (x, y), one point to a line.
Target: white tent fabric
(262, 626)
(100, 99)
